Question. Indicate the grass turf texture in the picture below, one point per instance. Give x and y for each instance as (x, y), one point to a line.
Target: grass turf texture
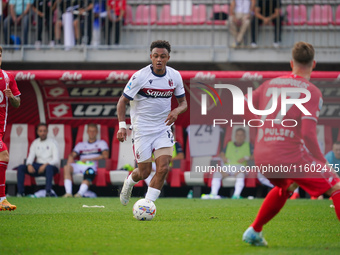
(181, 226)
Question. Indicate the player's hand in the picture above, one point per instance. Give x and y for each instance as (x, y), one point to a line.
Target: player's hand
(30, 169)
(42, 168)
(266, 21)
(241, 160)
(172, 117)
(8, 92)
(121, 135)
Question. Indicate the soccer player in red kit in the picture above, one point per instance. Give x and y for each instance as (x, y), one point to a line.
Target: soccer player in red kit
(293, 144)
(9, 92)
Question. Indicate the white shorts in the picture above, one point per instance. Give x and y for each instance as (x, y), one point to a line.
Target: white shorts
(80, 167)
(144, 146)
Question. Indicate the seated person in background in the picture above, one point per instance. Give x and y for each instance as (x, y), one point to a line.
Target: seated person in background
(44, 10)
(267, 12)
(89, 153)
(177, 154)
(239, 19)
(19, 14)
(236, 154)
(115, 12)
(333, 157)
(43, 160)
(82, 19)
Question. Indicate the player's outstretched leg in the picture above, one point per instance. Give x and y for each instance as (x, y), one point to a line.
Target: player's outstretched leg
(254, 238)
(7, 206)
(126, 191)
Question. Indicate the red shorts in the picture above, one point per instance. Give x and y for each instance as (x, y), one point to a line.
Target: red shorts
(315, 183)
(3, 146)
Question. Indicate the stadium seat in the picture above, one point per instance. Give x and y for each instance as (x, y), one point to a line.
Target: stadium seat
(296, 15)
(203, 158)
(121, 155)
(18, 138)
(103, 165)
(166, 19)
(321, 15)
(198, 17)
(129, 16)
(145, 15)
(337, 16)
(218, 9)
(103, 133)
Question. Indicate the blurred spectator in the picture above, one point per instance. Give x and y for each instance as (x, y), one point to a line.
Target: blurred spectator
(89, 153)
(43, 159)
(235, 154)
(3, 9)
(333, 157)
(19, 13)
(267, 12)
(239, 18)
(82, 19)
(116, 10)
(44, 10)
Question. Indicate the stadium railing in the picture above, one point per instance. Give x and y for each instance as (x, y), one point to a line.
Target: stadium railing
(188, 26)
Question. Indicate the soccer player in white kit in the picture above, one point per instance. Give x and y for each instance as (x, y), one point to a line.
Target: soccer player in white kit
(149, 93)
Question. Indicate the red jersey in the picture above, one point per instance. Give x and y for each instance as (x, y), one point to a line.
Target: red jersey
(117, 6)
(6, 78)
(275, 142)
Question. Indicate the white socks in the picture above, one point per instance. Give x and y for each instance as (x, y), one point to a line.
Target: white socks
(216, 183)
(68, 186)
(2, 199)
(130, 181)
(83, 188)
(152, 194)
(264, 180)
(239, 184)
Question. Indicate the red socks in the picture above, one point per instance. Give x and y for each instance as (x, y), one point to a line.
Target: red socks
(271, 206)
(336, 201)
(3, 167)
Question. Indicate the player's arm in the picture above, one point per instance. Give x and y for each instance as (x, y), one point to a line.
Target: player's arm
(309, 136)
(121, 110)
(222, 155)
(173, 115)
(71, 157)
(14, 100)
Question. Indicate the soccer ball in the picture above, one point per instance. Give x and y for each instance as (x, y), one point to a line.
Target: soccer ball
(144, 210)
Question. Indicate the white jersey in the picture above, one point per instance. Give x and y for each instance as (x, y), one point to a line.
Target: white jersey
(150, 96)
(45, 152)
(87, 150)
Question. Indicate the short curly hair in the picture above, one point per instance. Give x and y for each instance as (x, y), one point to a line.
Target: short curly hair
(161, 44)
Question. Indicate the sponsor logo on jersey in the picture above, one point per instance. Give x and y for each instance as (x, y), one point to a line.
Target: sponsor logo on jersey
(162, 93)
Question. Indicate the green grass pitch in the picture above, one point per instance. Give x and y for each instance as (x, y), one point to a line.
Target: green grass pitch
(181, 226)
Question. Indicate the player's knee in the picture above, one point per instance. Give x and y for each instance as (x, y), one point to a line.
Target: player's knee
(4, 156)
(162, 170)
(89, 174)
(292, 187)
(333, 189)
